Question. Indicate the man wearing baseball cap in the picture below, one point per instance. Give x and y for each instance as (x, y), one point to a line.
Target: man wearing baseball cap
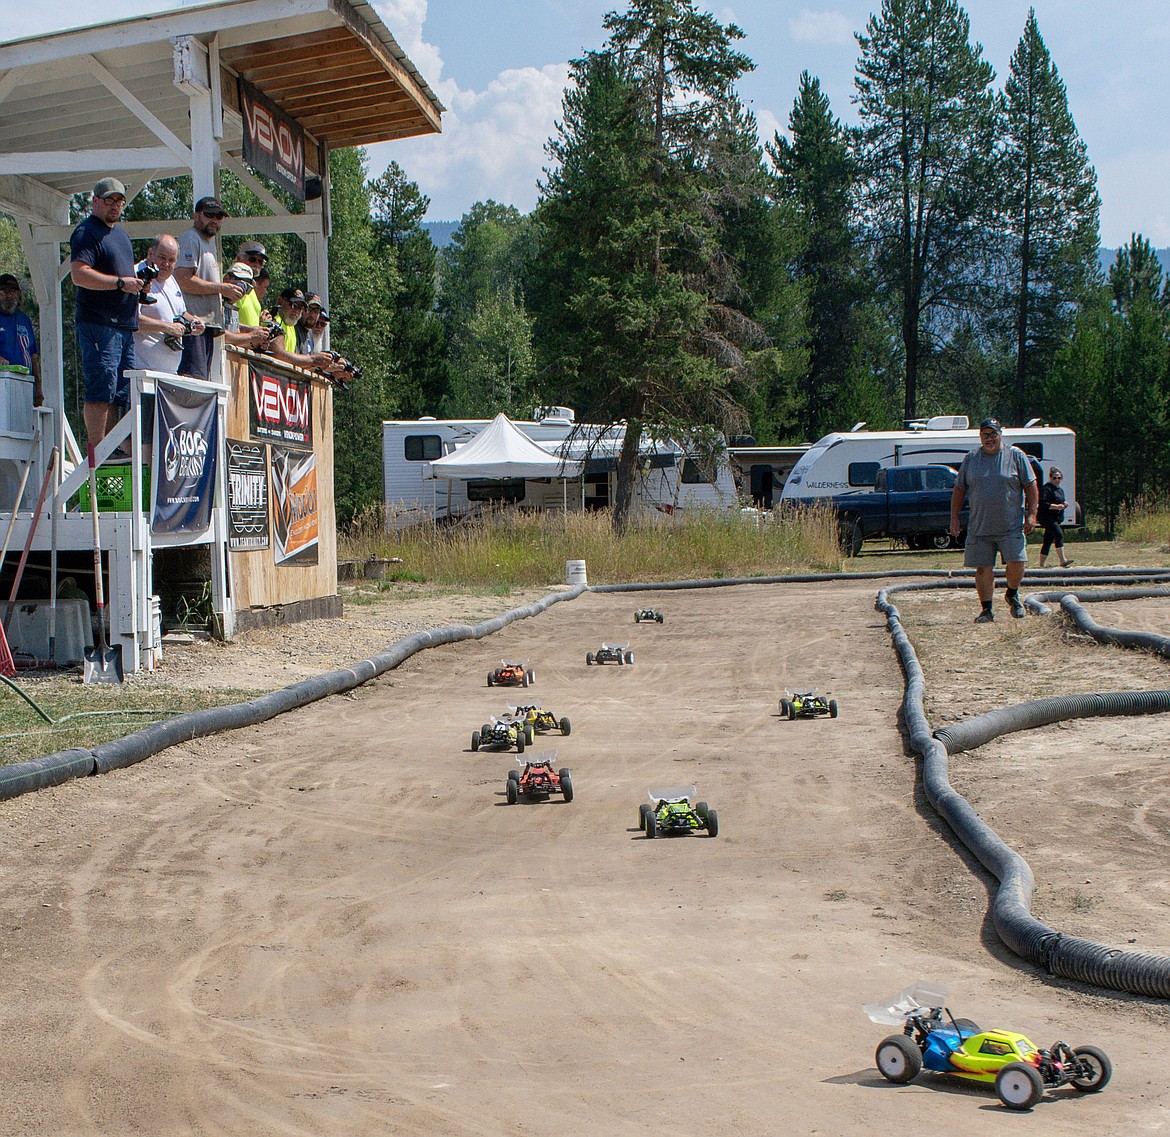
(101, 265)
(203, 289)
(18, 341)
(1004, 498)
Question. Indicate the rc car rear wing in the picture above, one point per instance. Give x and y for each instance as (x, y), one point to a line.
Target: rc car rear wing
(544, 758)
(672, 793)
(924, 995)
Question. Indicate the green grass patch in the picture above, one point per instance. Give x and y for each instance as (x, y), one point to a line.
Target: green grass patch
(1146, 523)
(86, 715)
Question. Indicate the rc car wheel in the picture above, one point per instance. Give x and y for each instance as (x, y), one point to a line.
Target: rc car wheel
(512, 791)
(712, 823)
(701, 809)
(791, 712)
(784, 708)
(621, 659)
(629, 657)
(642, 811)
(524, 680)
(1097, 1067)
(529, 733)
(898, 1059)
(660, 617)
(832, 708)
(491, 678)
(520, 741)
(485, 734)
(513, 775)
(1019, 1085)
(637, 617)
(566, 784)
(651, 823)
(967, 1024)
(531, 677)
(566, 726)
(475, 737)
(589, 658)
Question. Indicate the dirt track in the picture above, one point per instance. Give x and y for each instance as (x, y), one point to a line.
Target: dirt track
(334, 925)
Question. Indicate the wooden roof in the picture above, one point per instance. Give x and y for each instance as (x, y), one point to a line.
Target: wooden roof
(331, 64)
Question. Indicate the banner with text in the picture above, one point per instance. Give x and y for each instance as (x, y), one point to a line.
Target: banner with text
(294, 507)
(280, 409)
(186, 442)
(247, 484)
(274, 143)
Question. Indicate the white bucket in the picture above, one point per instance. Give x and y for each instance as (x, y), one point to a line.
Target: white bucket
(575, 572)
(155, 646)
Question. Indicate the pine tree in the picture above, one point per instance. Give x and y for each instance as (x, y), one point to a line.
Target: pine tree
(1051, 210)
(927, 156)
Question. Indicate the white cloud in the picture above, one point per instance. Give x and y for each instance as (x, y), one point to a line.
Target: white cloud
(492, 145)
(826, 28)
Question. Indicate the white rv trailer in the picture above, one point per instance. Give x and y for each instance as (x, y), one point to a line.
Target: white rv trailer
(843, 464)
(669, 480)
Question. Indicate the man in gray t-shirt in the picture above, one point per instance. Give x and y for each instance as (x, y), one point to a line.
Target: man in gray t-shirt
(197, 272)
(1002, 490)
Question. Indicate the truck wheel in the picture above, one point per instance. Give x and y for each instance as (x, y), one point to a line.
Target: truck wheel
(941, 541)
(1019, 1086)
(851, 536)
(898, 1059)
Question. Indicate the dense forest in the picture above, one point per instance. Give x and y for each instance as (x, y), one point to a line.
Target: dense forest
(941, 256)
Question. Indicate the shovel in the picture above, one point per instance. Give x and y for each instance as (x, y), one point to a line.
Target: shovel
(103, 664)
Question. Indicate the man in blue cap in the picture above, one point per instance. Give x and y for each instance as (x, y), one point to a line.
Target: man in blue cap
(1004, 498)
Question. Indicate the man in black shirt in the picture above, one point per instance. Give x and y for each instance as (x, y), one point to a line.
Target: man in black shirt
(102, 267)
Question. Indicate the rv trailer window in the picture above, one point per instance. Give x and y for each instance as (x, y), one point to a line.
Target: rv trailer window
(506, 490)
(422, 447)
(1032, 449)
(696, 472)
(863, 473)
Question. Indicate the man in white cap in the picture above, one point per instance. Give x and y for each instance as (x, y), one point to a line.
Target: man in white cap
(1004, 497)
(101, 265)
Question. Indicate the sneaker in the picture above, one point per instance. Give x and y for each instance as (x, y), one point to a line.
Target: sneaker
(1016, 609)
(1068, 564)
(987, 617)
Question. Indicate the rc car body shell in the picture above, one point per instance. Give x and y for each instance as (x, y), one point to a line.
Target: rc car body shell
(540, 721)
(500, 734)
(537, 780)
(610, 653)
(671, 813)
(932, 1039)
(807, 705)
(511, 673)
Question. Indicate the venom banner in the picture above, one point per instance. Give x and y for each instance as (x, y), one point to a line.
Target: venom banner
(186, 442)
(280, 409)
(274, 144)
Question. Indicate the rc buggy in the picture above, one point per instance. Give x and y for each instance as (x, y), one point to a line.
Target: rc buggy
(933, 1039)
(807, 705)
(670, 813)
(539, 721)
(499, 734)
(537, 779)
(610, 653)
(648, 615)
(511, 674)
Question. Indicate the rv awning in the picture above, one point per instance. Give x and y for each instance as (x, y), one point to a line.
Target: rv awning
(501, 450)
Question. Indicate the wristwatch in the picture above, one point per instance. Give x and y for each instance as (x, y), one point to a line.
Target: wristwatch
(120, 288)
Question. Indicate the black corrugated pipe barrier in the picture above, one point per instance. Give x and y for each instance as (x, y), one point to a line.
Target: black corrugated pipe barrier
(53, 769)
(1069, 957)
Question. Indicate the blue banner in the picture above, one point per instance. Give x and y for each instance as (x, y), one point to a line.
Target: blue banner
(186, 445)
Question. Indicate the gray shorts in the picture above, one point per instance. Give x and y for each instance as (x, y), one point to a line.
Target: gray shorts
(979, 552)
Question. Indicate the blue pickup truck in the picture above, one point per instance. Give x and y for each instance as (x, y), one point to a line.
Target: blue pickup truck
(911, 503)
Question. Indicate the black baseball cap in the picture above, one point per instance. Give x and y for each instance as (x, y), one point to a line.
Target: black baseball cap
(992, 424)
(206, 205)
(7, 280)
(293, 296)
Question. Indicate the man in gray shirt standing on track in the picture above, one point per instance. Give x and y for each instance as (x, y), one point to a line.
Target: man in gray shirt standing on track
(1002, 487)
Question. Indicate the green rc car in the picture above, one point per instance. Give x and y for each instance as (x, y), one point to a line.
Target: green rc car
(648, 616)
(539, 721)
(807, 705)
(671, 813)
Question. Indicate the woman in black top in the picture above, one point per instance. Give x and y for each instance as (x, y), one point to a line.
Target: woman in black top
(1051, 514)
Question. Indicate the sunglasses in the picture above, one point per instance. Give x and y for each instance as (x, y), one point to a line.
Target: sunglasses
(214, 216)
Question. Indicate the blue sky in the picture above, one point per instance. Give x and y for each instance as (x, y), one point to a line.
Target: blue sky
(500, 69)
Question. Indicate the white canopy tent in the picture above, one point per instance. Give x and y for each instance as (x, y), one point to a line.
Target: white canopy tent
(502, 450)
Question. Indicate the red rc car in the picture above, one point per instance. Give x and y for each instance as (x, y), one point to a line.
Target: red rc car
(537, 779)
(510, 673)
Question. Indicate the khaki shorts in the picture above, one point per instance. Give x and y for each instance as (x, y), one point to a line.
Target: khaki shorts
(979, 552)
